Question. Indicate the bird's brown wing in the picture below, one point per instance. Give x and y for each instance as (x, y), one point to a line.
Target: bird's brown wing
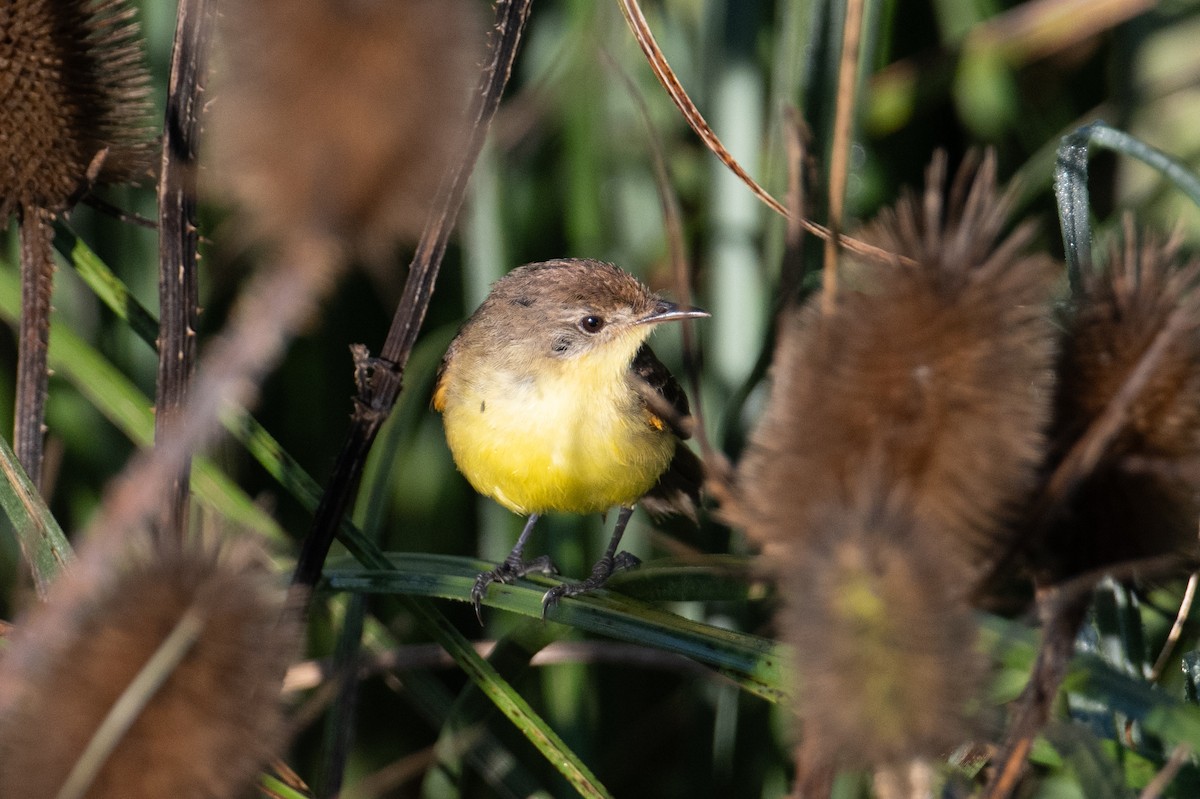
(661, 392)
(678, 488)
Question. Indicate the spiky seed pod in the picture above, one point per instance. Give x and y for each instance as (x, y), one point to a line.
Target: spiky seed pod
(340, 116)
(74, 113)
(75, 90)
(1141, 498)
(938, 376)
(885, 648)
(206, 730)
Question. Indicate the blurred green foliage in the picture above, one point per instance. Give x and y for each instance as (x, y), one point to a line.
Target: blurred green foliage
(568, 172)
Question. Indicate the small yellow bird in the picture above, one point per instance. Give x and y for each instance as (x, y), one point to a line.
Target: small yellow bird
(552, 401)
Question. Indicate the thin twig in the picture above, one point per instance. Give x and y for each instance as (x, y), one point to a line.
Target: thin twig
(120, 214)
(377, 395)
(680, 265)
(839, 160)
(394, 775)
(1061, 620)
(666, 76)
(662, 70)
(133, 699)
(313, 673)
(1179, 756)
(178, 237)
(1185, 610)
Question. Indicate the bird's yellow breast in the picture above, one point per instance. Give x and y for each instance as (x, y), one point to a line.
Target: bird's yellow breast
(570, 436)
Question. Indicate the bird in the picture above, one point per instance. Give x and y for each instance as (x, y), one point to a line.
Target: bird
(552, 401)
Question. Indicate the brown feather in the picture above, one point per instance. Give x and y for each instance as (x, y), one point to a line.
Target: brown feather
(661, 392)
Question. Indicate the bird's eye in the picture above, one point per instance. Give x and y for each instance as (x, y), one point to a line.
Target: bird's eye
(591, 324)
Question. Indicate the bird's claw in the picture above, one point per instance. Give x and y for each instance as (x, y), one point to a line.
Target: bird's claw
(604, 568)
(508, 572)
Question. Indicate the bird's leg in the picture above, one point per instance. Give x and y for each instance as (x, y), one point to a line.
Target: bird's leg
(604, 568)
(512, 569)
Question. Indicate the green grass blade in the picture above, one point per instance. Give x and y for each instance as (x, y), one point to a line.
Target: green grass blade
(508, 701)
(261, 445)
(274, 787)
(1090, 676)
(466, 723)
(1071, 189)
(112, 292)
(756, 664)
(131, 411)
(43, 544)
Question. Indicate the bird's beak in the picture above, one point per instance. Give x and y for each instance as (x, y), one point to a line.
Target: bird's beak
(669, 312)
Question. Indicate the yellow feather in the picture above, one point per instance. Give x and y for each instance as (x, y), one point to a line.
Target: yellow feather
(575, 440)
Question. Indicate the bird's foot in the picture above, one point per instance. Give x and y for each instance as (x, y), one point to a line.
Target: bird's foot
(604, 568)
(508, 572)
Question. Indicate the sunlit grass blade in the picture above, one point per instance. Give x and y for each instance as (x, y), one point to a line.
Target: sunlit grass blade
(115, 396)
(258, 441)
(466, 734)
(43, 544)
(756, 664)
(277, 789)
(508, 701)
(111, 291)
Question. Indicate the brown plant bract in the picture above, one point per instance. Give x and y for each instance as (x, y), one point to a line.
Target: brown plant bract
(75, 89)
(337, 118)
(903, 432)
(1140, 500)
(209, 727)
(937, 379)
(885, 648)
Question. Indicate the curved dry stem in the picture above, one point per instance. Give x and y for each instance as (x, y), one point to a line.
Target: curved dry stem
(666, 76)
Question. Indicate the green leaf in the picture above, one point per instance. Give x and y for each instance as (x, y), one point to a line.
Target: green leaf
(1071, 186)
(506, 698)
(115, 396)
(42, 541)
(758, 665)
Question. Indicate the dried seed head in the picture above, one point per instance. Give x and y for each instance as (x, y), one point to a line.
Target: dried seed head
(206, 730)
(885, 647)
(338, 117)
(938, 377)
(75, 104)
(1141, 499)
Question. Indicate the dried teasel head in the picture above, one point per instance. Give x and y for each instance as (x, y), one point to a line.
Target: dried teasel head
(937, 373)
(885, 647)
(337, 117)
(75, 104)
(205, 730)
(1130, 356)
